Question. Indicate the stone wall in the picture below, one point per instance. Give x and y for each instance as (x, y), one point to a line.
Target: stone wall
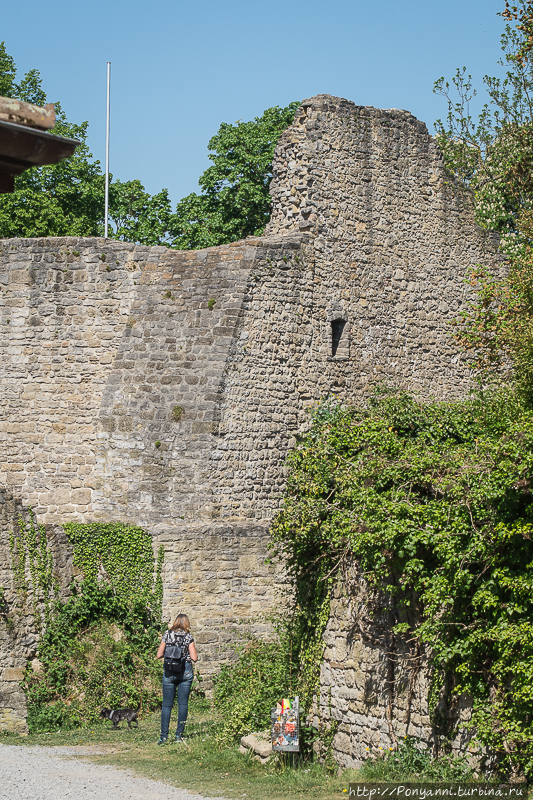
(374, 685)
(18, 633)
(17, 638)
(354, 284)
(393, 237)
(101, 342)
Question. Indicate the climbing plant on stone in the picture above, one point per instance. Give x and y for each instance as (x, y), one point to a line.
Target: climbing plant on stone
(97, 647)
(121, 555)
(431, 505)
(32, 563)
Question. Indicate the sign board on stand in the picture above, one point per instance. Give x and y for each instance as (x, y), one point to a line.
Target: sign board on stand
(285, 728)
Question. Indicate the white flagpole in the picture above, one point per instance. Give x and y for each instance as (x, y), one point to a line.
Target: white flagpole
(107, 151)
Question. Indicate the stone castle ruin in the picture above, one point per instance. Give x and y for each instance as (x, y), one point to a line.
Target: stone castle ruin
(164, 388)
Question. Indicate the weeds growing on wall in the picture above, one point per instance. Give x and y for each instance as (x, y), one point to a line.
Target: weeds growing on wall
(123, 557)
(432, 503)
(97, 648)
(33, 569)
(263, 673)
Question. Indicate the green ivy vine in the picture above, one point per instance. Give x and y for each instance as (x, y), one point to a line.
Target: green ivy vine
(32, 563)
(97, 647)
(432, 505)
(123, 556)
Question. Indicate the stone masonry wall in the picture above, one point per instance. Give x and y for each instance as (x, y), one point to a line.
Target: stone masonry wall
(97, 350)
(393, 237)
(101, 340)
(374, 687)
(18, 635)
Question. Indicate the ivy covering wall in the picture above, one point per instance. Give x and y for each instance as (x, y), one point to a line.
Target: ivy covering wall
(97, 648)
(432, 504)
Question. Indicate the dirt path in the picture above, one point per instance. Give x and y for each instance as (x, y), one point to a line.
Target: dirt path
(54, 773)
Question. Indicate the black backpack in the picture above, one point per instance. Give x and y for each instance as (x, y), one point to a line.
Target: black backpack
(176, 657)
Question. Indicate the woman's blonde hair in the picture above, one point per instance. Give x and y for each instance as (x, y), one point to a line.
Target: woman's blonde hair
(181, 623)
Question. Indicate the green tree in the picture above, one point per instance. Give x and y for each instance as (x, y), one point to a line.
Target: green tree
(64, 199)
(493, 154)
(8, 73)
(138, 216)
(234, 202)
(491, 157)
(29, 89)
(67, 199)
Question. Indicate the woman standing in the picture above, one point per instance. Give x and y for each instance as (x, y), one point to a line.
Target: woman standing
(179, 682)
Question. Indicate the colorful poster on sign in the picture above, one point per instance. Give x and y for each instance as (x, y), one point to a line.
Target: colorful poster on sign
(286, 726)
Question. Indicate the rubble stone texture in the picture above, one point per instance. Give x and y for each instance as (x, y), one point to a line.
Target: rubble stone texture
(128, 395)
(374, 686)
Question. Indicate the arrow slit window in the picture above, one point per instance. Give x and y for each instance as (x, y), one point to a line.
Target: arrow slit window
(337, 329)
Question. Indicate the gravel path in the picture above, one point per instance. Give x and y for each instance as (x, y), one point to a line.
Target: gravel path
(53, 773)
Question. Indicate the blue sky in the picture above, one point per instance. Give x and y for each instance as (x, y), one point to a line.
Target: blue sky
(180, 69)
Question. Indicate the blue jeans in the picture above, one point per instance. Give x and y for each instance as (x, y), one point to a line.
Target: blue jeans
(182, 682)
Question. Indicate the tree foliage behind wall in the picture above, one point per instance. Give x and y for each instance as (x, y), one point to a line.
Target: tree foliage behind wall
(235, 200)
(492, 158)
(67, 199)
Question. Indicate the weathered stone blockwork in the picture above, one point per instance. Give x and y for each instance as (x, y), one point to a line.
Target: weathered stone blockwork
(356, 689)
(374, 685)
(104, 340)
(100, 341)
(392, 237)
(18, 635)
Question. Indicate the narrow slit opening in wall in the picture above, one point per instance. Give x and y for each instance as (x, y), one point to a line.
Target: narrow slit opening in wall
(337, 327)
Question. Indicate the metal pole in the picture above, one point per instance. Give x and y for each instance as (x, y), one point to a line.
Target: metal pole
(107, 151)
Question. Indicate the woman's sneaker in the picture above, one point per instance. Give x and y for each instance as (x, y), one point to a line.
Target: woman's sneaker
(161, 740)
(179, 740)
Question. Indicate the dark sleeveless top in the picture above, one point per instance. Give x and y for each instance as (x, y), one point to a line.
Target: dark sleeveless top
(181, 638)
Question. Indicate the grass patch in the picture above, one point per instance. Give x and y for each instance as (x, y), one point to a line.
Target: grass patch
(410, 763)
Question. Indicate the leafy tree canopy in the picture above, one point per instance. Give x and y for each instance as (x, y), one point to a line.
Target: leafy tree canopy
(234, 202)
(493, 153)
(67, 199)
(492, 157)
